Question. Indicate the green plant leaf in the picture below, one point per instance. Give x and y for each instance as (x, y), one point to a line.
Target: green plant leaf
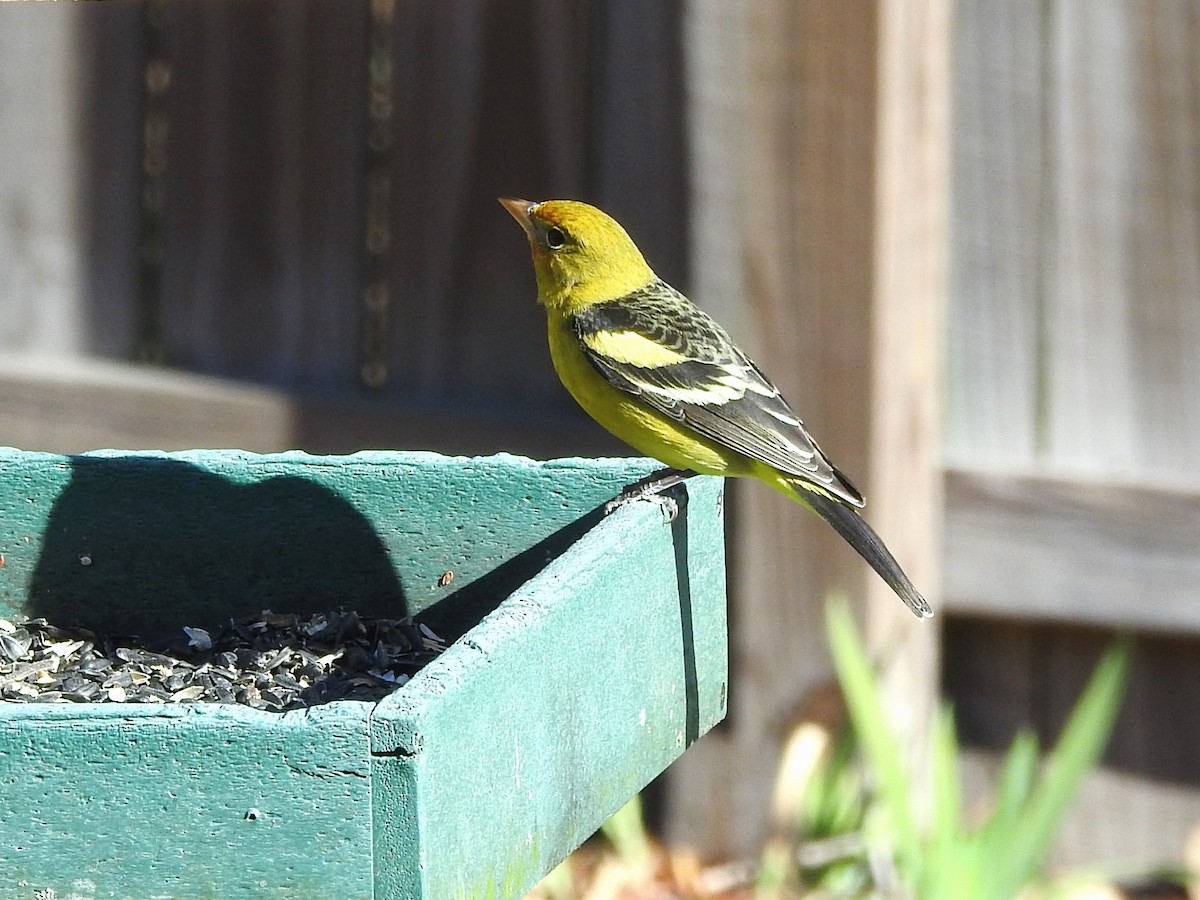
(626, 831)
(947, 780)
(950, 870)
(1083, 739)
(1012, 790)
(875, 736)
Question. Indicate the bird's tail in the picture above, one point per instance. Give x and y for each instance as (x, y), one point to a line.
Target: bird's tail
(869, 545)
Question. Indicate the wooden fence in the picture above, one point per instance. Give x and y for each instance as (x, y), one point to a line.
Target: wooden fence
(1073, 376)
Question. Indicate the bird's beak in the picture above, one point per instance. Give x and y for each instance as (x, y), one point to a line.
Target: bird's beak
(519, 210)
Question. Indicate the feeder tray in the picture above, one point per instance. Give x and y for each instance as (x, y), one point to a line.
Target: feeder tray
(585, 653)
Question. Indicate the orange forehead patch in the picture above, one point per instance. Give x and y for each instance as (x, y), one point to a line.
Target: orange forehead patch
(580, 218)
(548, 211)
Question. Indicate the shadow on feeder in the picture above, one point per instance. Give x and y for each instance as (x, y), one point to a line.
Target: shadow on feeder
(143, 545)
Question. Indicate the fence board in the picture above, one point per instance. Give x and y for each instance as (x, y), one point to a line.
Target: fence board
(1093, 142)
(836, 266)
(110, 44)
(266, 113)
(40, 220)
(1072, 549)
(70, 405)
(912, 66)
(1074, 352)
(1074, 332)
(1163, 239)
(261, 272)
(997, 206)
(1119, 822)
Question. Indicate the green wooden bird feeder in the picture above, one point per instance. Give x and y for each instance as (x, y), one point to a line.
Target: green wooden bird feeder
(587, 652)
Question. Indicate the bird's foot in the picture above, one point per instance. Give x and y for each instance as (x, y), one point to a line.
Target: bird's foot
(669, 505)
(652, 488)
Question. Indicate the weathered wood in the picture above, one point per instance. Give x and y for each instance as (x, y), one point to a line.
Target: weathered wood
(1163, 242)
(263, 248)
(1072, 421)
(908, 292)
(836, 261)
(74, 404)
(715, 63)
(111, 46)
(41, 223)
(1090, 551)
(1093, 138)
(1074, 326)
(997, 234)
(1137, 809)
(780, 554)
(263, 268)
(1119, 821)
(266, 149)
(473, 779)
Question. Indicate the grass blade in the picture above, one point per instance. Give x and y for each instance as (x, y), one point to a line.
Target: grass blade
(1079, 748)
(875, 736)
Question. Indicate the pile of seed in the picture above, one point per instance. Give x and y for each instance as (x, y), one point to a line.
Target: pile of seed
(269, 661)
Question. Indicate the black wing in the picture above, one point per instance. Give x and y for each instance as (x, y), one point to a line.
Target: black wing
(700, 378)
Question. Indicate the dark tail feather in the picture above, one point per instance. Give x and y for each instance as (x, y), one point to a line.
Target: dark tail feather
(870, 547)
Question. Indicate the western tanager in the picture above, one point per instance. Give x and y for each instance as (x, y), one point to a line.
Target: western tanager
(663, 376)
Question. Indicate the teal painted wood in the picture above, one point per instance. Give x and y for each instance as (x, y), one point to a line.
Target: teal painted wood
(472, 780)
(595, 675)
(193, 538)
(187, 801)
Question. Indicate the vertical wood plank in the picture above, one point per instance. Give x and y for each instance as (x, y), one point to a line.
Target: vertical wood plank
(701, 798)
(1164, 241)
(261, 275)
(636, 129)
(828, 234)
(907, 301)
(441, 60)
(1124, 326)
(799, 235)
(513, 120)
(110, 45)
(1093, 144)
(996, 233)
(806, 244)
(41, 228)
(715, 71)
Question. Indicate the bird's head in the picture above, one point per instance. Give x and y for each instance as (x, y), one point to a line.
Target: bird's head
(581, 255)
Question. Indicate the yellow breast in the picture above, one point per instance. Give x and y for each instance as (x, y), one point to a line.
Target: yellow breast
(646, 430)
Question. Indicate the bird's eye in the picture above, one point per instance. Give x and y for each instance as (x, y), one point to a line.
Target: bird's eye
(555, 238)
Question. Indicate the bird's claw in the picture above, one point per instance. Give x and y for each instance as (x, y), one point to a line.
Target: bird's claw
(669, 505)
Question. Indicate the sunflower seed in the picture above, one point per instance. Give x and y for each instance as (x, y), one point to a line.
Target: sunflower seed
(274, 661)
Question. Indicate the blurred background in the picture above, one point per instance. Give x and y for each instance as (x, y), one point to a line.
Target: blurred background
(964, 239)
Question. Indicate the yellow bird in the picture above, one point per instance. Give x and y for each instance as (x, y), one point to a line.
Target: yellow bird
(663, 376)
